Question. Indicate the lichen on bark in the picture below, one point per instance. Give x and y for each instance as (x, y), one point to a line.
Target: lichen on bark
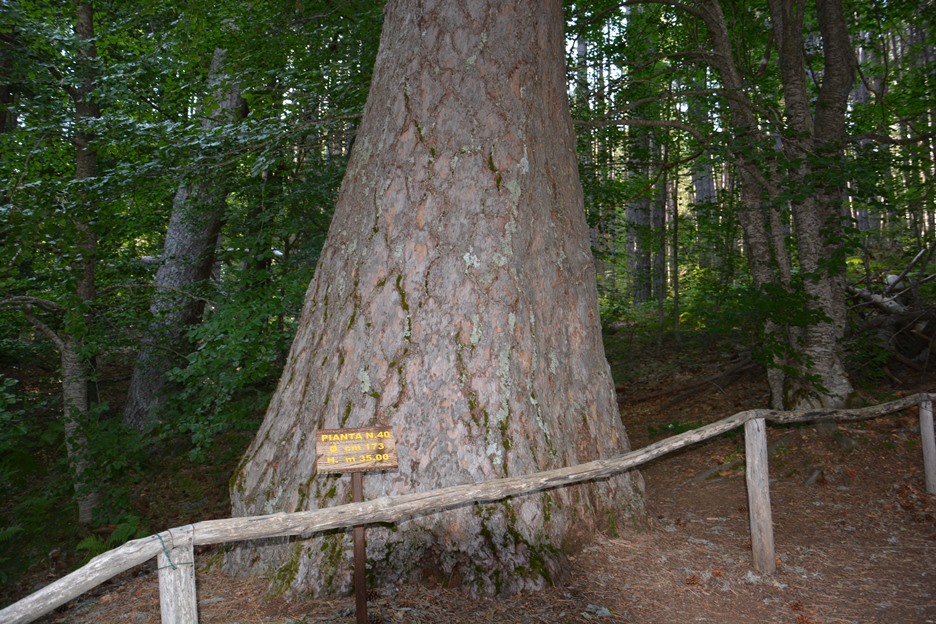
(475, 330)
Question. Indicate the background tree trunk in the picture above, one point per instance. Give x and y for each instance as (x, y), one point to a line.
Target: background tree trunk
(759, 214)
(187, 258)
(814, 146)
(813, 140)
(637, 215)
(8, 80)
(75, 322)
(75, 365)
(455, 300)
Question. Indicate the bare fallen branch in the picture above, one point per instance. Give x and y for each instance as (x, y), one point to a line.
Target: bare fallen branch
(886, 304)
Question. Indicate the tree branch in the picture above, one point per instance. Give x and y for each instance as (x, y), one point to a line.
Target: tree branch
(109, 289)
(889, 140)
(25, 300)
(50, 333)
(891, 286)
(654, 123)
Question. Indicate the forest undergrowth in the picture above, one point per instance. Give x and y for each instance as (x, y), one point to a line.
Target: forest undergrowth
(856, 533)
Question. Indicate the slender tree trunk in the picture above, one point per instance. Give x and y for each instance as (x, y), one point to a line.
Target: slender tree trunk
(637, 228)
(637, 216)
(600, 216)
(658, 237)
(674, 202)
(658, 228)
(187, 259)
(704, 198)
(455, 301)
(8, 43)
(76, 371)
(815, 140)
(703, 182)
(759, 213)
(75, 393)
(859, 211)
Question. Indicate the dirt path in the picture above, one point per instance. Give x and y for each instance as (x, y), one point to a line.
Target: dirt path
(855, 537)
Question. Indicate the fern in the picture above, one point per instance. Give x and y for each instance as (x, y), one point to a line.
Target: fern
(130, 527)
(92, 546)
(8, 533)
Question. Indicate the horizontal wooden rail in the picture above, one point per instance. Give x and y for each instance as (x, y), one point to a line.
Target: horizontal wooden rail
(168, 544)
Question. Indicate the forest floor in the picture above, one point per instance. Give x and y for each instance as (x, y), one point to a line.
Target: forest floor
(855, 532)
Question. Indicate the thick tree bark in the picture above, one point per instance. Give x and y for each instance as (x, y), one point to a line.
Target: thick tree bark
(455, 300)
(187, 258)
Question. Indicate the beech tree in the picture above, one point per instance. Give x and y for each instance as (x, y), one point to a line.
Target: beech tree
(455, 301)
(66, 323)
(187, 258)
(783, 73)
(806, 368)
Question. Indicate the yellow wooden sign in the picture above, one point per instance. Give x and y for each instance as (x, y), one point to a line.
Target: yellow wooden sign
(355, 450)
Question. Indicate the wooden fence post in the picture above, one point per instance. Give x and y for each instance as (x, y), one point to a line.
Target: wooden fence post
(178, 603)
(758, 489)
(928, 439)
(174, 549)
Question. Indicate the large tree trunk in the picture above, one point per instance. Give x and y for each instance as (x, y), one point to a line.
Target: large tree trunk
(455, 300)
(187, 258)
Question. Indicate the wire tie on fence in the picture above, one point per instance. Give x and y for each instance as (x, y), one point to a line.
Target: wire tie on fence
(172, 564)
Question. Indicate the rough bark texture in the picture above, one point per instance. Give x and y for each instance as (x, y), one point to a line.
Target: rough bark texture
(187, 258)
(455, 300)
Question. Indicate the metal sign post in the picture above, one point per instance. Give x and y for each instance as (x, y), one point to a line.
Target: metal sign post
(356, 451)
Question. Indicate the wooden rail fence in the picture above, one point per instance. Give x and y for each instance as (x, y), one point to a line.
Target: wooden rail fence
(174, 548)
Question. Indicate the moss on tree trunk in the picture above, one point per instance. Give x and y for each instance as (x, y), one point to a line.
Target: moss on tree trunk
(454, 300)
